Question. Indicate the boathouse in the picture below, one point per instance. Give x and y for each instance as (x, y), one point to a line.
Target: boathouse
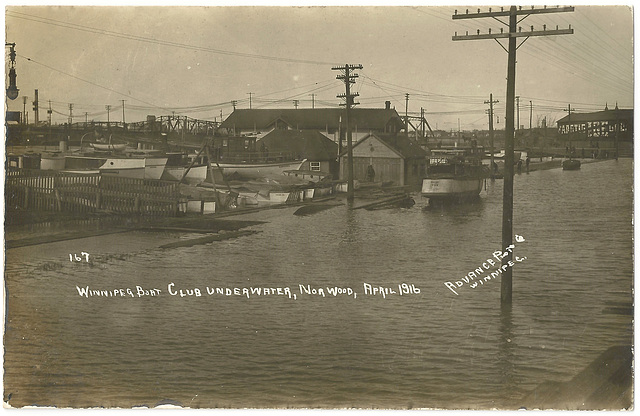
(321, 153)
(394, 158)
(601, 132)
(328, 121)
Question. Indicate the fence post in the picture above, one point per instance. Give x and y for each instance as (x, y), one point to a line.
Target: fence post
(58, 200)
(26, 198)
(136, 204)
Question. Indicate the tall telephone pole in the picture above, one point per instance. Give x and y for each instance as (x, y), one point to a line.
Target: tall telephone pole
(406, 115)
(124, 124)
(349, 78)
(491, 102)
(518, 112)
(108, 108)
(35, 108)
(250, 95)
(506, 293)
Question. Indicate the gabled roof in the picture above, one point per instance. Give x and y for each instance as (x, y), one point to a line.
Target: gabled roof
(312, 118)
(605, 115)
(310, 144)
(398, 143)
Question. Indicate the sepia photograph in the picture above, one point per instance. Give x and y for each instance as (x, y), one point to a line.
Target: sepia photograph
(324, 206)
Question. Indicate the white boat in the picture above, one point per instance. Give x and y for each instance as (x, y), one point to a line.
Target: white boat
(104, 147)
(195, 175)
(454, 174)
(307, 175)
(125, 168)
(260, 170)
(154, 167)
(140, 168)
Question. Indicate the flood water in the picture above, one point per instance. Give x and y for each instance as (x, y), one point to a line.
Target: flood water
(431, 349)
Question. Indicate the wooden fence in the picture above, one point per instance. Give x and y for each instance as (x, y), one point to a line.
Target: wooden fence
(80, 193)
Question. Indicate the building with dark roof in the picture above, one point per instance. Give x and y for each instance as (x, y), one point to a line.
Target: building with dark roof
(394, 158)
(321, 153)
(329, 121)
(605, 129)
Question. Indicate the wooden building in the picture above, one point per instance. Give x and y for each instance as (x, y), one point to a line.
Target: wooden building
(328, 121)
(607, 129)
(394, 158)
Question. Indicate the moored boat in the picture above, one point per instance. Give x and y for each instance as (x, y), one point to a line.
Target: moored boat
(454, 174)
(570, 164)
(108, 147)
(260, 170)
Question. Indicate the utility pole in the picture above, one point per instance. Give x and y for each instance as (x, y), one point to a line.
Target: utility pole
(233, 103)
(617, 130)
(422, 121)
(506, 292)
(86, 119)
(124, 124)
(250, 95)
(406, 115)
(530, 113)
(70, 115)
(35, 108)
(49, 113)
(349, 78)
(491, 102)
(24, 109)
(313, 100)
(295, 103)
(568, 110)
(108, 108)
(518, 110)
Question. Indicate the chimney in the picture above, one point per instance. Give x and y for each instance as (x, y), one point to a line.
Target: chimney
(387, 105)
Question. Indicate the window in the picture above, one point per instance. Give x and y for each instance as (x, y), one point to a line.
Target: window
(315, 166)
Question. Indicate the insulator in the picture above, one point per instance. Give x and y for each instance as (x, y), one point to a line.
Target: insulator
(532, 28)
(544, 27)
(478, 31)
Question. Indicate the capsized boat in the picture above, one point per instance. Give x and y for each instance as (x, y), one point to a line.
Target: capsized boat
(454, 173)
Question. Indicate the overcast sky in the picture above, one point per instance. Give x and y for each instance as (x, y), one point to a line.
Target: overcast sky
(195, 60)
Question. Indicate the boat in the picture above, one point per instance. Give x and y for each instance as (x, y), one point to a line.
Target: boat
(140, 168)
(570, 164)
(454, 174)
(108, 147)
(308, 175)
(259, 170)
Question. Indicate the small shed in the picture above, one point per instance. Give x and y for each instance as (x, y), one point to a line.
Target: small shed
(393, 158)
(321, 153)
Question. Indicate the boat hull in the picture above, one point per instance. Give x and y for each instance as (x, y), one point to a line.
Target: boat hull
(571, 164)
(451, 188)
(260, 170)
(124, 168)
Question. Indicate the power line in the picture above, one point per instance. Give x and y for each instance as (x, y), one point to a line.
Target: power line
(106, 32)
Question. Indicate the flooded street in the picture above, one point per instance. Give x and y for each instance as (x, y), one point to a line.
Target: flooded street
(423, 346)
